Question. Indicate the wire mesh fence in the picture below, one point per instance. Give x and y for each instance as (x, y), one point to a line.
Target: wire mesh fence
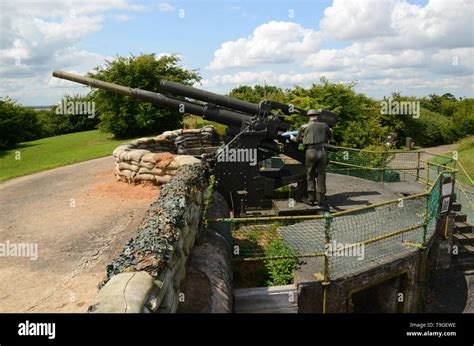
(404, 166)
(386, 166)
(464, 187)
(351, 240)
(355, 239)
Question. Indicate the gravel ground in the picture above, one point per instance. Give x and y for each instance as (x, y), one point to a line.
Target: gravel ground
(79, 217)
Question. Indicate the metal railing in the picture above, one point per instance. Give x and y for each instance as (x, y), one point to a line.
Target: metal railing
(373, 233)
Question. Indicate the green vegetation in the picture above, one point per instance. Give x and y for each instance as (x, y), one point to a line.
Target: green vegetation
(362, 123)
(280, 272)
(195, 122)
(47, 153)
(126, 116)
(73, 114)
(263, 241)
(17, 123)
(21, 124)
(465, 150)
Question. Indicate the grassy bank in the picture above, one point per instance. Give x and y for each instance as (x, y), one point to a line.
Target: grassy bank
(466, 154)
(465, 149)
(52, 152)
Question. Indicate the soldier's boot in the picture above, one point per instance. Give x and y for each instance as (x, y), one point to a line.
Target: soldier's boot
(322, 201)
(311, 198)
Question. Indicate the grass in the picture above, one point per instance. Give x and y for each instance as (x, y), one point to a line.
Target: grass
(263, 241)
(52, 152)
(195, 122)
(466, 154)
(465, 149)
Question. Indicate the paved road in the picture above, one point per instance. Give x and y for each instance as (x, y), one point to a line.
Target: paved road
(79, 217)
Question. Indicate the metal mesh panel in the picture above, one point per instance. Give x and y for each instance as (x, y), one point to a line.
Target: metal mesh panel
(364, 227)
(281, 239)
(387, 166)
(358, 239)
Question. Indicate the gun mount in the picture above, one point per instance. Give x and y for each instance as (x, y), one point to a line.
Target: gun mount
(254, 134)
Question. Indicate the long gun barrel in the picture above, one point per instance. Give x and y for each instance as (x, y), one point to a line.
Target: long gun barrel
(210, 97)
(223, 116)
(226, 101)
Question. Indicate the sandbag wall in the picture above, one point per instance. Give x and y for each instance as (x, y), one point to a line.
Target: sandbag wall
(156, 160)
(147, 275)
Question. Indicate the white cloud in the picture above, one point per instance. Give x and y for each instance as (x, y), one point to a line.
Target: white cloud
(388, 40)
(397, 24)
(165, 7)
(273, 42)
(39, 37)
(348, 20)
(122, 18)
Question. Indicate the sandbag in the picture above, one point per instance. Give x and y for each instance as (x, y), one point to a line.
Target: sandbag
(169, 172)
(150, 157)
(126, 173)
(147, 165)
(124, 165)
(163, 179)
(135, 155)
(144, 177)
(163, 160)
(182, 160)
(154, 171)
(120, 149)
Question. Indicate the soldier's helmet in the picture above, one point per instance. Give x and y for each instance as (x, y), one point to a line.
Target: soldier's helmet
(313, 112)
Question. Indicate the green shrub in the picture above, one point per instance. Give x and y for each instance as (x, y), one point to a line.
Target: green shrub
(280, 271)
(69, 120)
(17, 123)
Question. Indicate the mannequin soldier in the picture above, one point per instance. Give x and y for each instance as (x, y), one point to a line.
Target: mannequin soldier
(314, 135)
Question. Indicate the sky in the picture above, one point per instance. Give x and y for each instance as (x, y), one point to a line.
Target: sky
(410, 46)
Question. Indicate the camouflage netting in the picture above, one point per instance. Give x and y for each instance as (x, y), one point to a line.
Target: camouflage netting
(169, 227)
(156, 160)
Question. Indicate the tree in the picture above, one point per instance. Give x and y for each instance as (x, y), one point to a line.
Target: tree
(17, 123)
(72, 114)
(258, 93)
(126, 117)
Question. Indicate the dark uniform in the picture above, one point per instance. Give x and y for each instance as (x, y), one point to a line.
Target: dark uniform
(313, 135)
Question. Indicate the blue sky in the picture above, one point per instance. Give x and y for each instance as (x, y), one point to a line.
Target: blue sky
(415, 47)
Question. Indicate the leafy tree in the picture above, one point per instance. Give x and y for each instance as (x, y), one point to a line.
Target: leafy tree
(72, 114)
(125, 116)
(258, 93)
(17, 123)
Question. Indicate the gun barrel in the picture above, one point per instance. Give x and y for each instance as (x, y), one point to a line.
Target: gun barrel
(209, 97)
(219, 115)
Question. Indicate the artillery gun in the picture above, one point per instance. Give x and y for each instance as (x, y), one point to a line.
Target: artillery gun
(254, 135)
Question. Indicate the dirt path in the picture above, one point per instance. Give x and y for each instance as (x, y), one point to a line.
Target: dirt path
(79, 217)
(441, 150)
